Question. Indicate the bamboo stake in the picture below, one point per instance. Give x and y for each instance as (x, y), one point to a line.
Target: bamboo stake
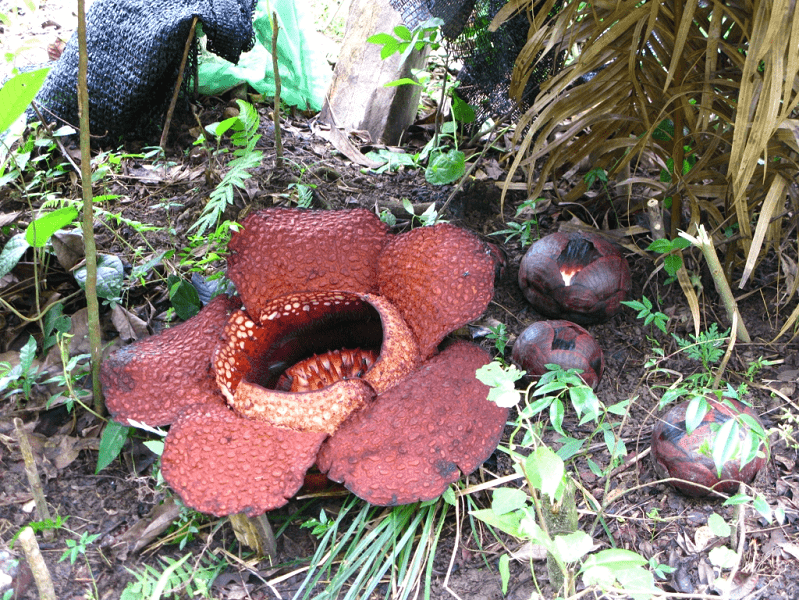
(37, 565)
(704, 242)
(34, 481)
(90, 248)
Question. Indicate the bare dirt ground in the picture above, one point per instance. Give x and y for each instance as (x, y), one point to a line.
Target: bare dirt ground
(648, 517)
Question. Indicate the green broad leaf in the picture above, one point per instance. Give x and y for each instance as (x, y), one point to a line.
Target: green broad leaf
(635, 305)
(723, 557)
(509, 522)
(14, 249)
(449, 496)
(381, 38)
(620, 408)
(17, 94)
(27, 354)
(584, 401)
(507, 500)
(64, 130)
(155, 446)
(111, 442)
(403, 33)
(639, 583)
(672, 264)
(696, 411)
(570, 447)
(544, 470)
(185, 299)
(110, 276)
(219, 129)
(390, 48)
(556, 414)
(718, 526)
(501, 380)
(41, 230)
(571, 547)
(726, 444)
(751, 448)
(537, 406)
(504, 572)
(494, 374)
(462, 110)
(402, 81)
(504, 396)
(613, 559)
(754, 425)
(736, 500)
(445, 167)
(599, 576)
(660, 246)
(530, 530)
(761, 506)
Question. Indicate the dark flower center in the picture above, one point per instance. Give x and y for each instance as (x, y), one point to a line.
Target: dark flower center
(577, 254)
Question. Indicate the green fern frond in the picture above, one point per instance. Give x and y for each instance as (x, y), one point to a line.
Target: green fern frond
(244, 137)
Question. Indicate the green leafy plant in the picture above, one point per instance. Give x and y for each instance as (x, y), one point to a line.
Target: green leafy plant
(244, 137)
(670, 249)
(524, 229)
(545, 513)
(174, 579)
(78, 547)
(111, 442)
(645, 312)
(728, 443)
(539, 516)
(55, 322)
(706, 347)
(429, 217)
(445, 165)
(23, 375)
(404, 41)
(39, 526)
(499, 335)
(74, 369)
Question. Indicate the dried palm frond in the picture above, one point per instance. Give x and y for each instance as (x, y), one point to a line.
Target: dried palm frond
(710, 85)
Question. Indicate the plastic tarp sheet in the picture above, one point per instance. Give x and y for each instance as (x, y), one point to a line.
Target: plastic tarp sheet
(304, 71)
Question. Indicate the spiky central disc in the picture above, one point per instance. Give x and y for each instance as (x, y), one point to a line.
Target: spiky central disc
(320, 371)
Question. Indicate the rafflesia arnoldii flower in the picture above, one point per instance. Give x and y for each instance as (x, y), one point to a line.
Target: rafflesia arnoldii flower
(330, 354)
(575, 276)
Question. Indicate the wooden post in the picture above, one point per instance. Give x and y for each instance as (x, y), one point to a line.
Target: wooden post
(357, 98)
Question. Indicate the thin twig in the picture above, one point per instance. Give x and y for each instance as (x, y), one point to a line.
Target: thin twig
(178, 84)
(276, 110)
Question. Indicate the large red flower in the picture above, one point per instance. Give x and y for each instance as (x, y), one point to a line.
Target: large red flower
(331, 354)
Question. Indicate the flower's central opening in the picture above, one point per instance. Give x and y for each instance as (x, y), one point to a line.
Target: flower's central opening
(312, 358)
(302, 342)
(316, 344)
(577, 254)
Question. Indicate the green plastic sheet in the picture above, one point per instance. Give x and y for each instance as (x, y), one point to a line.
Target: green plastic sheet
(304, 71)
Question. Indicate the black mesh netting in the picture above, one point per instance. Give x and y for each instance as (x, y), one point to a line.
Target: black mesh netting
(135, 48)
(487, 57)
